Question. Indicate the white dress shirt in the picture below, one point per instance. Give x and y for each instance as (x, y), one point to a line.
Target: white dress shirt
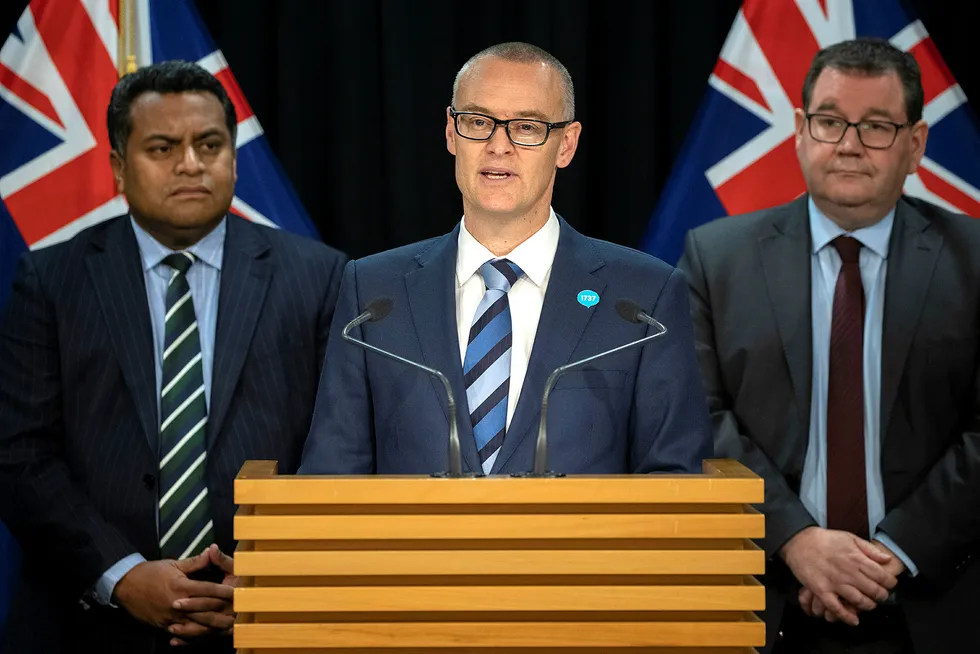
(526, 297)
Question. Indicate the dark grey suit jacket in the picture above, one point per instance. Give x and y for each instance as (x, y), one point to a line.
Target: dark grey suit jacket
(750, 299)
(78, 411)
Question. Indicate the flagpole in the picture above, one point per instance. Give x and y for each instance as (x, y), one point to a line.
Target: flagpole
(127, 56)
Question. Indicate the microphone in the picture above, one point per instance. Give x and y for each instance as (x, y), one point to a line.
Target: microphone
(378, 309)
(629, 311)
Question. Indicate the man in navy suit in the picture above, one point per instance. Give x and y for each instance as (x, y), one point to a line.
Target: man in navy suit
(498, 303)
(141, 364)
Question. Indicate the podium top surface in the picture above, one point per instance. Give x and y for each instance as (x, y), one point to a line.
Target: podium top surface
(724, 481)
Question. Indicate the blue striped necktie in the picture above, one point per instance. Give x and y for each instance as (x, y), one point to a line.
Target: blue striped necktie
(185, 518)
(486, 365)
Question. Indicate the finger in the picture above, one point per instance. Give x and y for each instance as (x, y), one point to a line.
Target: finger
(806, 599)
(200, 604)
(192, 588)
(222, 560)
(873, 551)
(829, 616)
(818, 607)
(834, 605)
(188, 630)
(856, 598)
(879, 576)
(213, 620)
(867, 585)
(193, 563)
(177, 642)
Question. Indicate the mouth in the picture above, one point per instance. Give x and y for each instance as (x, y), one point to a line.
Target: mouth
(497, 174)
(191, 191)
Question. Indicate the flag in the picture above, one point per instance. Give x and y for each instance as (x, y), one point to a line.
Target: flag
(57, 71)
(740, 156)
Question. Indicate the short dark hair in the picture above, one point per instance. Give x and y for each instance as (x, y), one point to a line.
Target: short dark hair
(163, 77)
(873, 57)
(524, 53)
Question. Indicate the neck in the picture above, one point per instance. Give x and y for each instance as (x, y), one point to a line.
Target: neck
(176, 238)
(501, 234)
(853, 218)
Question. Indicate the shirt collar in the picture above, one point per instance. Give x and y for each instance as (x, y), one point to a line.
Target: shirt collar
(534, 256)
(823, 230)
(209, 249)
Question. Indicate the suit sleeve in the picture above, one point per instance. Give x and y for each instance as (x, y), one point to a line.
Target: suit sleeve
(938, 524)
(785, 513)
(671, 431)
(51, 518)
(341, 438)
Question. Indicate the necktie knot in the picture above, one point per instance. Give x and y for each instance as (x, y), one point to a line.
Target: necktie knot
(500, 274)
(848, 248)
(180, 261)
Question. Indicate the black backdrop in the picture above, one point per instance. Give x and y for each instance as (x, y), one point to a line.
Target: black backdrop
(352, 96)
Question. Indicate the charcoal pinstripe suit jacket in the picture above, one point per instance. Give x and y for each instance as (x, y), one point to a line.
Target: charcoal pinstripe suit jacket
(78, 411)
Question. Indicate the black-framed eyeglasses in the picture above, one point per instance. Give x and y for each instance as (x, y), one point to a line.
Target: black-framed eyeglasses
(520, 131)
(874, 134)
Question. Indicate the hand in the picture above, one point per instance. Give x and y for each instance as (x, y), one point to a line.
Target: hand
(206, 615)
(838, 568)
(149, 590)
(895, 567)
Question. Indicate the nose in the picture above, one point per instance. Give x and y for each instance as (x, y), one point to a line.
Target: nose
(499, 142)
(851, 142)
(190, 163)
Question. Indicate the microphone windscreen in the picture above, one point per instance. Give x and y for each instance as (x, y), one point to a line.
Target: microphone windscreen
(379, 308)
(628, 310)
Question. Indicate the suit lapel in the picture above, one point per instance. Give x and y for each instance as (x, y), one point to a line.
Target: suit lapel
(786, 254)
(560, 328)
(117, 275)
(431, 296)
(913, 251)
(245, 277)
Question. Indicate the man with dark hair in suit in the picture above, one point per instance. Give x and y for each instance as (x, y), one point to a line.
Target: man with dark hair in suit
(498, 303)
(141, 363)
(838, 339)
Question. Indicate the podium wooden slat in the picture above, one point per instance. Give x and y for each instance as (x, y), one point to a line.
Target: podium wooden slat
(436, 635)
(578, 564)
(485, 562)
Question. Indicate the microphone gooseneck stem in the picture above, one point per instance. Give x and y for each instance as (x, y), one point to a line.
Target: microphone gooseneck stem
(455, 458)
(541, 445)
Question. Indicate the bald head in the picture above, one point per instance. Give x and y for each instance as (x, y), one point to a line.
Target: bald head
(522, 53)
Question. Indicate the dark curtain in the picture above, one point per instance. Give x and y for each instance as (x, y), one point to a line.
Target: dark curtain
(352, 95)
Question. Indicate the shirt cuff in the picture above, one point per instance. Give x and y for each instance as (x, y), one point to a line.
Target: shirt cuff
(898, 551)
(106, 584)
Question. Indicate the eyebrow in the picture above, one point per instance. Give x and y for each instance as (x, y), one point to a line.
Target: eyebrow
(870, 114)
(167, 138)
(536, 115)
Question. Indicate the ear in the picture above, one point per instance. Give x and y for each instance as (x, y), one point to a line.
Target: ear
(118, 165)
(919, 135)
(799, 120)
(450, 132)
(234, 165)
(569, 144)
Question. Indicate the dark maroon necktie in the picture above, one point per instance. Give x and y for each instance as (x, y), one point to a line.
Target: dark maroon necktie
(847, 494)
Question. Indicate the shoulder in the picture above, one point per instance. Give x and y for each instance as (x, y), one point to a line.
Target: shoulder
(71, 252)
(943, 220)
(293, 248)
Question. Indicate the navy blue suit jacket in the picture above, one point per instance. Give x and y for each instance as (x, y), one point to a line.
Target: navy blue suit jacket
(641, 410)
(78, 410)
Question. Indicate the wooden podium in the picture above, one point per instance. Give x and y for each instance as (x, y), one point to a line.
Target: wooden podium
(651, 563)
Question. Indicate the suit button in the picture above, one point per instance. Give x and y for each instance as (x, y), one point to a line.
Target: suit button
(149, 481)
